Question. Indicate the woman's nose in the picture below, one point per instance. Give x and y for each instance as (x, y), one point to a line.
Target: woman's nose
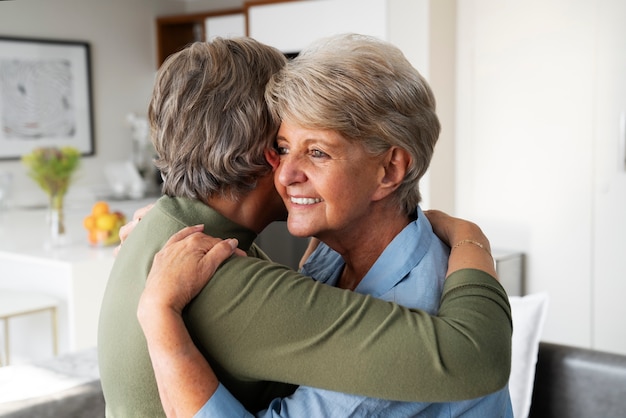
(290, 170)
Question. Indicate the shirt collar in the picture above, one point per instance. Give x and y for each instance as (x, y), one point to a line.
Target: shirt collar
(397, 260)
(193, 212)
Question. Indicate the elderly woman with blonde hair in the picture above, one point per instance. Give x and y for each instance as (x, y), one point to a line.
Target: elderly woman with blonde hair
(357, 132)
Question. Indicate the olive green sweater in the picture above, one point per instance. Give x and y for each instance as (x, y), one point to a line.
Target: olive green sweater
(259, 322)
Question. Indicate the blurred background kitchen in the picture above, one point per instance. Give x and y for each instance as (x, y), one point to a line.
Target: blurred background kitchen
(531, 95)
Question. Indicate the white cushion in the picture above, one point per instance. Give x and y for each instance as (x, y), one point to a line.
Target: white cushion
(529, 313)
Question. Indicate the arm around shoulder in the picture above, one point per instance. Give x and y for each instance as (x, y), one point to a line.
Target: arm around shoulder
(307, 333)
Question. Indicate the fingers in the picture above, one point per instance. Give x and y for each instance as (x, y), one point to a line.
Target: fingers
(117, 249)
(188, 241)
(436, 216)
(178, 236)
(141, 212)
(124, 232)
(440, 223)
(182, 268)
(470, 247)
(216, 255)
(126, 229)
(453, 230)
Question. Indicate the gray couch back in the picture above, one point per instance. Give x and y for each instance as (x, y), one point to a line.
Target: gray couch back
(572, 382)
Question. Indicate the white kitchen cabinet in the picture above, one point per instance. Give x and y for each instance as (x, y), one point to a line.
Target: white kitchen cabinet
(292, 25)
(226, 26)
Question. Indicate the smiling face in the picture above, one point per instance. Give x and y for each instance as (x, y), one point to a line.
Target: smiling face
(327, 183)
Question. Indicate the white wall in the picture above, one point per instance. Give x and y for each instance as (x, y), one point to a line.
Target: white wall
(538, 106)
(122, 38)
(609, 198)
(540, 87)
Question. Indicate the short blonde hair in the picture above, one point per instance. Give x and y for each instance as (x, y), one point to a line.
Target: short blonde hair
(208, 118)
(367, 91)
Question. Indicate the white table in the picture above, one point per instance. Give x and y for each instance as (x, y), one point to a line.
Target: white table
(16, 303)
(75, 275)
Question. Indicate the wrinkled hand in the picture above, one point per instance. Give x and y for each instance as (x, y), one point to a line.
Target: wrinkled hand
(183, 267)
(452, 230)
(129, 226)
(470, 246)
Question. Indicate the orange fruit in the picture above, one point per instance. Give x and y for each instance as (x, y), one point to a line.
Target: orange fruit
(89, 222)
(100, 208)
(92, 237)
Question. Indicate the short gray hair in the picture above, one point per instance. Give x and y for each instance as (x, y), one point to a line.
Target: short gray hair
(208, 118)
(366, 90)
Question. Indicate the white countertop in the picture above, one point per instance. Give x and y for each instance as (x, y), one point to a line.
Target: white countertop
(74, 274)
(24, 233)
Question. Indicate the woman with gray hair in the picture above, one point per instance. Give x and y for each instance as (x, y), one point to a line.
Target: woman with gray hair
(357, 132)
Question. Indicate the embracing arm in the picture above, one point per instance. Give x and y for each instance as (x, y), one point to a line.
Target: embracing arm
(273, 324)
(470, 247)
(317, 335)
(184, 378)
(261, 321)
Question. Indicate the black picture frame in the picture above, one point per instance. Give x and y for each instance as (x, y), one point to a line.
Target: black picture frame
(45, 96)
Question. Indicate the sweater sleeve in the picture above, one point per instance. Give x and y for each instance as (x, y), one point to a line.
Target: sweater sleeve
(262, 321)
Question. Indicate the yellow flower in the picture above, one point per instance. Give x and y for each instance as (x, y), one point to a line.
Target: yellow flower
(52, 169)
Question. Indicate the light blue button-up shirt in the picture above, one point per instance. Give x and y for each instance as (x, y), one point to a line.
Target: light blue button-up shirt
(411, 272)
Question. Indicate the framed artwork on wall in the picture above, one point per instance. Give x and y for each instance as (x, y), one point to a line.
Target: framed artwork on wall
(45, 96)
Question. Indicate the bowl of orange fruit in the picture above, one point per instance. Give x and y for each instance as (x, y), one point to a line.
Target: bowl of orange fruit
(103, 225)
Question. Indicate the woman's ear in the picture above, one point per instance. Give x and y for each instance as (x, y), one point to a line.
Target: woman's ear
(272, 157)
(394, 166)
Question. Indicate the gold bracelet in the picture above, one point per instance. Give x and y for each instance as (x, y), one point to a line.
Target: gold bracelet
(471, 241)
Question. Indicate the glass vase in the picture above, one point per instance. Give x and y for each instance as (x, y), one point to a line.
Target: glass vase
(56, 221)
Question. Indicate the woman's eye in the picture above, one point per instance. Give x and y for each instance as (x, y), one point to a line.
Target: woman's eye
(318, 154)
(281, 150)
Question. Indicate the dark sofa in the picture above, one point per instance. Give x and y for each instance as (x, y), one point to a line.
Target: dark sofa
(572, 382)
